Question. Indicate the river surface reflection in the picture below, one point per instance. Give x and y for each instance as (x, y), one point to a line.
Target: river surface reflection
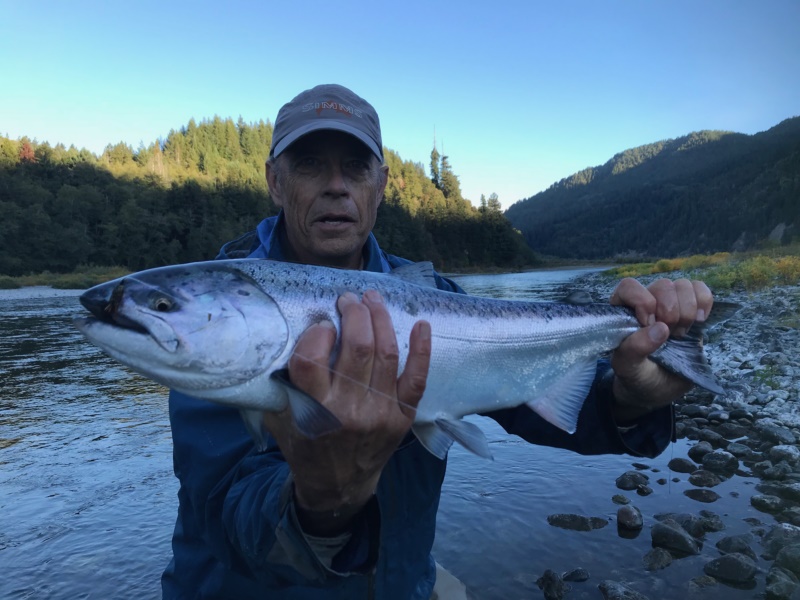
(88, 498)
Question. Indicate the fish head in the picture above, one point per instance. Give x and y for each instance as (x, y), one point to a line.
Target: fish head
(200, 328)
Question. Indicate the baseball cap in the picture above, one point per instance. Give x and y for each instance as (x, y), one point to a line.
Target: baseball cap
(327, 106)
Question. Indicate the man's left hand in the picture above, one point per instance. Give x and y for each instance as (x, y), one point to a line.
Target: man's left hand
(663, 308)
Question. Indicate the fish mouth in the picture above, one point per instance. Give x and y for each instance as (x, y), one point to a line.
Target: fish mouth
(104, 303)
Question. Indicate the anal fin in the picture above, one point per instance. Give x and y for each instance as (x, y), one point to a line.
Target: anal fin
(561, 403)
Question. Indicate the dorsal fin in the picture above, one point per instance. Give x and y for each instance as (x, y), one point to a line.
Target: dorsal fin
(420, 273)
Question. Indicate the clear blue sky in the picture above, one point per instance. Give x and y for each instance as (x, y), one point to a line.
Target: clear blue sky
(521, 94)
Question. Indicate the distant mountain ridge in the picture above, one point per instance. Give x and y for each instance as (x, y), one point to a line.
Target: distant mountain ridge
(707, 191)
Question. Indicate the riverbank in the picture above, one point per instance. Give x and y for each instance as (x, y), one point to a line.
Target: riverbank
(750, 434)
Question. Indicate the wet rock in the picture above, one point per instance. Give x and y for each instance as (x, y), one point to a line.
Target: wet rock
(737, 543)
(694, 410)
(741, 413)
(777, 472)
(776, 434)
(630, 480)
(661, 481)
(644, 490)
(781, 583)
(739, 450)
(732, 568)
(731, 431)
(613, 590)
(699, 450)
(762, 467)
(789, 491)
(719, 416)
(711, 521)
(640, 466)
(789, 558)
(785, 452)
(779, 536)
(671, 536)
(552, 585)
(656, 559)
(713, 438)
(698, 586)
(691, 524)
(576, 522)
(703, 478)
(576, 575)
(790, 515)
(720, 461)
(620, 499)
(629, 517)
(682, 465)
(767, 503)
(702, 495)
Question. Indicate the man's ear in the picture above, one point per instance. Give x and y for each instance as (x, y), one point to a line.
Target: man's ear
(273, 184)
(382, 183)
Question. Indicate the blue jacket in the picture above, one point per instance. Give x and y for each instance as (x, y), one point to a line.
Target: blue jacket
(237, 535)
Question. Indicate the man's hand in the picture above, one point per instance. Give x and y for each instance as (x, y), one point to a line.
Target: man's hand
(336, 474)
(664, 308)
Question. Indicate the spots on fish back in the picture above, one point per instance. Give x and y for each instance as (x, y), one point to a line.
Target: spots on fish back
(411, 307)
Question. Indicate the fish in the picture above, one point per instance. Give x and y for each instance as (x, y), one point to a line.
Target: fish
(224, 331)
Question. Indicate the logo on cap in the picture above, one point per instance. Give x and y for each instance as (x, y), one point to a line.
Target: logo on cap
(332, 105)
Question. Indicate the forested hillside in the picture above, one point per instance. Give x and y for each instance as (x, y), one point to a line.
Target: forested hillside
(179, 199)
(705, 192)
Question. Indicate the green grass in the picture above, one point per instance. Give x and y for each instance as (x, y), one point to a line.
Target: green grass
(82, 278)
(725, 271)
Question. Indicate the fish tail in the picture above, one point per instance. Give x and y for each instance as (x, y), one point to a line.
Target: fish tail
(684, 356)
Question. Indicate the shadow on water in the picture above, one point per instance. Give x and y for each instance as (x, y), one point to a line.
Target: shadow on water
(88, 499)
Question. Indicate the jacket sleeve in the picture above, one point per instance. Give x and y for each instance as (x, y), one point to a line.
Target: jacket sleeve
(242, 505)
(597, 431)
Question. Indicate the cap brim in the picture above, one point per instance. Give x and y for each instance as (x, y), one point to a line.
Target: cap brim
(323, 124)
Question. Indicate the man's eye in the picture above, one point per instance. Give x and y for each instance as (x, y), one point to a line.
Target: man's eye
(307, 162)
(358, 165)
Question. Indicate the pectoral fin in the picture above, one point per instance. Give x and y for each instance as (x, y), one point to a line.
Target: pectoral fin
(310, 417)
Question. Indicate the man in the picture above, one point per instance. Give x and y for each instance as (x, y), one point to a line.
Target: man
(352, 514)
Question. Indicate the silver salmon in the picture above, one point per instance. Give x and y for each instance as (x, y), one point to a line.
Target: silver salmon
(224, 331)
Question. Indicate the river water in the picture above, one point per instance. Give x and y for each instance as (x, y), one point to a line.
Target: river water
(88, 498)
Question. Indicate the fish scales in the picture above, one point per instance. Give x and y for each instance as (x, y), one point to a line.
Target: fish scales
(231, 326)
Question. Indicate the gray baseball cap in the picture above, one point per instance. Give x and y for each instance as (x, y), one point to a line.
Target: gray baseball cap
(327, 106)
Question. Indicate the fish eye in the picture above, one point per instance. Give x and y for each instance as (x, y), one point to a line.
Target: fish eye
(162, 304)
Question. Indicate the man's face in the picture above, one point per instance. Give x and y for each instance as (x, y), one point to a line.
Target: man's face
(329, 186)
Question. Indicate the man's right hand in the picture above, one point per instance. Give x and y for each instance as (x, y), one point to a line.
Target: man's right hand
(335, 475)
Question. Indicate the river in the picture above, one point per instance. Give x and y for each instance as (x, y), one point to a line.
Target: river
(88, 498)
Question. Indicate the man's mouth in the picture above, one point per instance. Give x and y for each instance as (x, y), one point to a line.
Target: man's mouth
(335, 219)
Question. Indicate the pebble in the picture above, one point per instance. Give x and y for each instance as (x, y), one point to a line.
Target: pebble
(702, 495)
(613, 590)
(552, 585)
(630, 480)
(576, 522)
(702, 478)
(682, 465)
(671, 536)
(629, 517)
(656, 559)
(733, 568)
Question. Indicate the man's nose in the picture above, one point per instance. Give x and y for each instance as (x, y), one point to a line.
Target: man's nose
(336, 183)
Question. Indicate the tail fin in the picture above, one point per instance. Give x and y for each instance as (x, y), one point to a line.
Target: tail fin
(685, 356)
